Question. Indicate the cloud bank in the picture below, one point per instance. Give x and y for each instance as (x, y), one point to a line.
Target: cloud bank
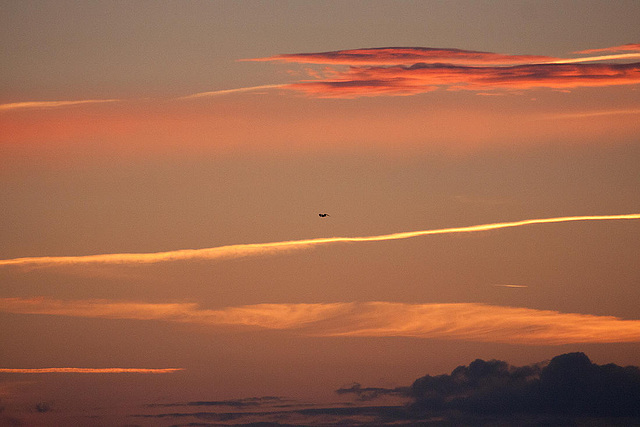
(567, 390)
(253, 249)
(450, 321)
(570, 384)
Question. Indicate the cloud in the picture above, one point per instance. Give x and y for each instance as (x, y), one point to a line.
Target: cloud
(423, 77)
(630, 47)
(450, 321)
(412, 70)
(370, 393)
(512, 286)
(589, 114)
(253, 249)
(89, 370)
(230, 91)
(568, 385)
(235, 403)
(567, 389)
(43, 407)
(51, 104)
(351, 415)
(404, 55)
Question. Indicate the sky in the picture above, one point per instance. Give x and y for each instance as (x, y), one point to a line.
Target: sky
(163, 165)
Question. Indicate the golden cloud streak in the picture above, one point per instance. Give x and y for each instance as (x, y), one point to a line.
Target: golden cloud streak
(625, 47)
(90, 370)
(229, 91)
(50, 104)
(252, 249)
(512, 286)
(453, 321)
(595, 58)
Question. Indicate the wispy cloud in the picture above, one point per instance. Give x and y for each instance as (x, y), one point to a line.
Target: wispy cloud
(231, 91)
(589, 114)
(252, 249)
(89, 370)
(51, 104)
(404, 55)
(629, 47)
(452, 321)
(247, 402)
(596, 58)
(512, 286)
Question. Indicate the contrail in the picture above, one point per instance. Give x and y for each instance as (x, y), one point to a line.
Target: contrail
(512, 286)
(241, 250)
(595, 58)
(89, 370)
(228, 91)
(51, 104)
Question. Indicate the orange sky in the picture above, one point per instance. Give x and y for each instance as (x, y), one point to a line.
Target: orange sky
(205, 132)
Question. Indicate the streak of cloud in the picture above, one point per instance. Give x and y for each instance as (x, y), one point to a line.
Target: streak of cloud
(89, 370)
(230, 91)
(253, 249)
(413, 55)
(450, 321)
(511, 286)
(51, 104)
(596, 58)
(629, 47)
(589, 114)
(404, 55)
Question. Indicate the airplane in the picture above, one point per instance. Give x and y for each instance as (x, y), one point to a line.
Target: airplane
(323, 215)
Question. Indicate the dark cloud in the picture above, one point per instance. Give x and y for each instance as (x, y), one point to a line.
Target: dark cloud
(43, 407)
(568, 390)
(235, 403)
(370, 393)
(568, 385)
(352, 415)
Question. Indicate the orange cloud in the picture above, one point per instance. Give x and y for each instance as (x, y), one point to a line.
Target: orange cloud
(456, 321)
(230, 91)
(90, 370)
(421, 78)
(629, 47)
(51, 104)
(242, 250)
(412, 70)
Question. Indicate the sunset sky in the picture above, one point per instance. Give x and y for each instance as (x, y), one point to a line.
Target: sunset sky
(163, 165)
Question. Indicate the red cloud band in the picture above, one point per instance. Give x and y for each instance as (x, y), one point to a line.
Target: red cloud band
(630, 47)
(409, 71)
(421, 77)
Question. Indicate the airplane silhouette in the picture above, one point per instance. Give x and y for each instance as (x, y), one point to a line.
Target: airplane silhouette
(322, 215)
